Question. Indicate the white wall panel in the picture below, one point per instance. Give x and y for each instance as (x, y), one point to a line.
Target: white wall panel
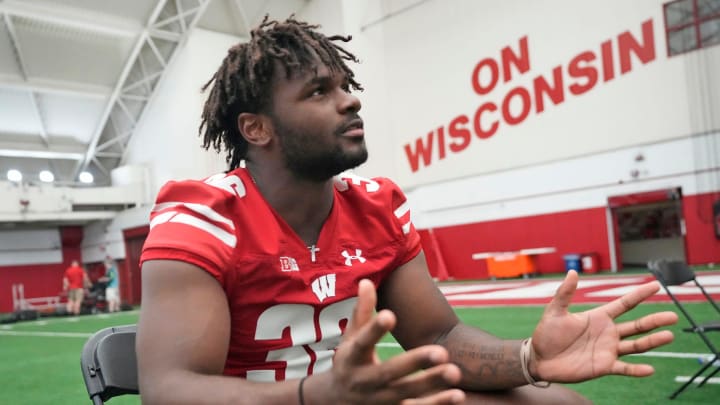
(569, 185)
(430, 52)
(417, 62)
(37, 246)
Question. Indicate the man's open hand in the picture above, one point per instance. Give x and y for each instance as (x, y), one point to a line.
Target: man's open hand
(573, 347)
(416, 377)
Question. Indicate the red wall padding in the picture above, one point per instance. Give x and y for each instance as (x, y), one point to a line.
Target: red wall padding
(41, 280)
(701, 245)
(436, 262)
(579, 231)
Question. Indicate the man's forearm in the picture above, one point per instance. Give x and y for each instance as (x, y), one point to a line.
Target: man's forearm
(487, 362)
(184, 387)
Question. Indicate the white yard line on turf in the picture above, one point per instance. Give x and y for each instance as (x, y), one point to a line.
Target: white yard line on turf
(698, 380)
(56, 320)
(44, 334)
(381, 344)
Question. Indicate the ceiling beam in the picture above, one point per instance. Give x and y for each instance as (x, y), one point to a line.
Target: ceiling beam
(61, 88)
(134, 63)
(82, 164)
(70, 17)
(17, 50)
(41, 154)
(27, 146)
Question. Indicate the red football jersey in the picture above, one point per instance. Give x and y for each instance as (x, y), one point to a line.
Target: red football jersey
(289, 303)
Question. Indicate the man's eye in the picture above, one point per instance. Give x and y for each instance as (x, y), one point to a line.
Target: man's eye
(318, 92)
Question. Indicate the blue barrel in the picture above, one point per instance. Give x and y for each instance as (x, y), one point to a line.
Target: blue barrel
(572, 262)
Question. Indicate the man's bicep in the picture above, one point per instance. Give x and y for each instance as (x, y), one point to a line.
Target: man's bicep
(184, 320)
(423, 313)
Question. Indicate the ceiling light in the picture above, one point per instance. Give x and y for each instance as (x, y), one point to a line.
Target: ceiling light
(14, 175)
(86, 177)
(46, 176)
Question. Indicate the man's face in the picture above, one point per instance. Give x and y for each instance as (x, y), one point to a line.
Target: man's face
(317, 124)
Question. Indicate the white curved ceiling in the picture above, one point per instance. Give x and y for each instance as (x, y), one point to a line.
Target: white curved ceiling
(75, 75)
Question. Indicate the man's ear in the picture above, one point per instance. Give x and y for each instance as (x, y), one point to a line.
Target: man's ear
(255, 128)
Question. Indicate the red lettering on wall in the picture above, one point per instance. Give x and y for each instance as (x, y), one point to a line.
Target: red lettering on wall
(542, 88)
(525, 106)
(579, 68)
(508, 59)
(583, 74)
(628, 44)
(482, 134)
(607, 61)
(421, 149)
(441, 142)
(459, 133)
(494, 75)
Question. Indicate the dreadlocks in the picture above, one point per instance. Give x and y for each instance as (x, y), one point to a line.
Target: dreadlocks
(242, 83)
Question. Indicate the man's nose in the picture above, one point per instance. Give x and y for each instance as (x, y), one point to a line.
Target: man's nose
(349, 103)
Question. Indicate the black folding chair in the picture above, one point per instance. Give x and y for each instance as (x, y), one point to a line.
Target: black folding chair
(673, 273)
(109, 364)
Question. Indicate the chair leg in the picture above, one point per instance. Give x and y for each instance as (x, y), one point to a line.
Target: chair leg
(711, 374)
(702, 370)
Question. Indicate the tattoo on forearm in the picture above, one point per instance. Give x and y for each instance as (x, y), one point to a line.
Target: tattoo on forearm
(474, 351)
(485, 360)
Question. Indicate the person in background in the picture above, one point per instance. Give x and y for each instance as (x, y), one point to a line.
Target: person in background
(75, 280)
(112, 283)
(260, 284)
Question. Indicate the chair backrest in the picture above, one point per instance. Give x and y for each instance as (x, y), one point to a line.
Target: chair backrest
(673, 272)
(109, 363)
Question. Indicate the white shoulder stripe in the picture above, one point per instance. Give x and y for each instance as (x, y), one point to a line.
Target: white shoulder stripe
(225, 237)
(201, 209)
(402, 210)
(162, 218)
(162, 206)
(173, 216)
(201, 223)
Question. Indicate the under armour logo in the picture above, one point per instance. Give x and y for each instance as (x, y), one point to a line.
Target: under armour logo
(349, 258)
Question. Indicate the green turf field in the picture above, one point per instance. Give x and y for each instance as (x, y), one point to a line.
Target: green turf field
(37, 368)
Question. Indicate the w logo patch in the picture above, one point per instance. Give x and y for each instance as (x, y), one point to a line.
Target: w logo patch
(324, 286)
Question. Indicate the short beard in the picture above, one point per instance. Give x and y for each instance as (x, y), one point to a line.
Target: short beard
(309, 163)
(322, 168)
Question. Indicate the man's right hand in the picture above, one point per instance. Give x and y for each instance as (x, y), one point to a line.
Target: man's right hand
(417, 377)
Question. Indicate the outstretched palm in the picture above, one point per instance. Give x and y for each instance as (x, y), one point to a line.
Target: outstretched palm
(573, 347)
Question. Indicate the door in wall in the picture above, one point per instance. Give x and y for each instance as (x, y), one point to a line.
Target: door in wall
(649, 226)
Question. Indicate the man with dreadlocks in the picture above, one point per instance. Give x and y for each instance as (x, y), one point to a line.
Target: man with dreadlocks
(260, 284)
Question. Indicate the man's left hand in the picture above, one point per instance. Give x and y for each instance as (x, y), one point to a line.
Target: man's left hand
(573, 347)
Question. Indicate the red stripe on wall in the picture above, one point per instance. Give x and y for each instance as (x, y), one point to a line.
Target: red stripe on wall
(579, 231)
(41, 280)
(436, 263)
(702, 247)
